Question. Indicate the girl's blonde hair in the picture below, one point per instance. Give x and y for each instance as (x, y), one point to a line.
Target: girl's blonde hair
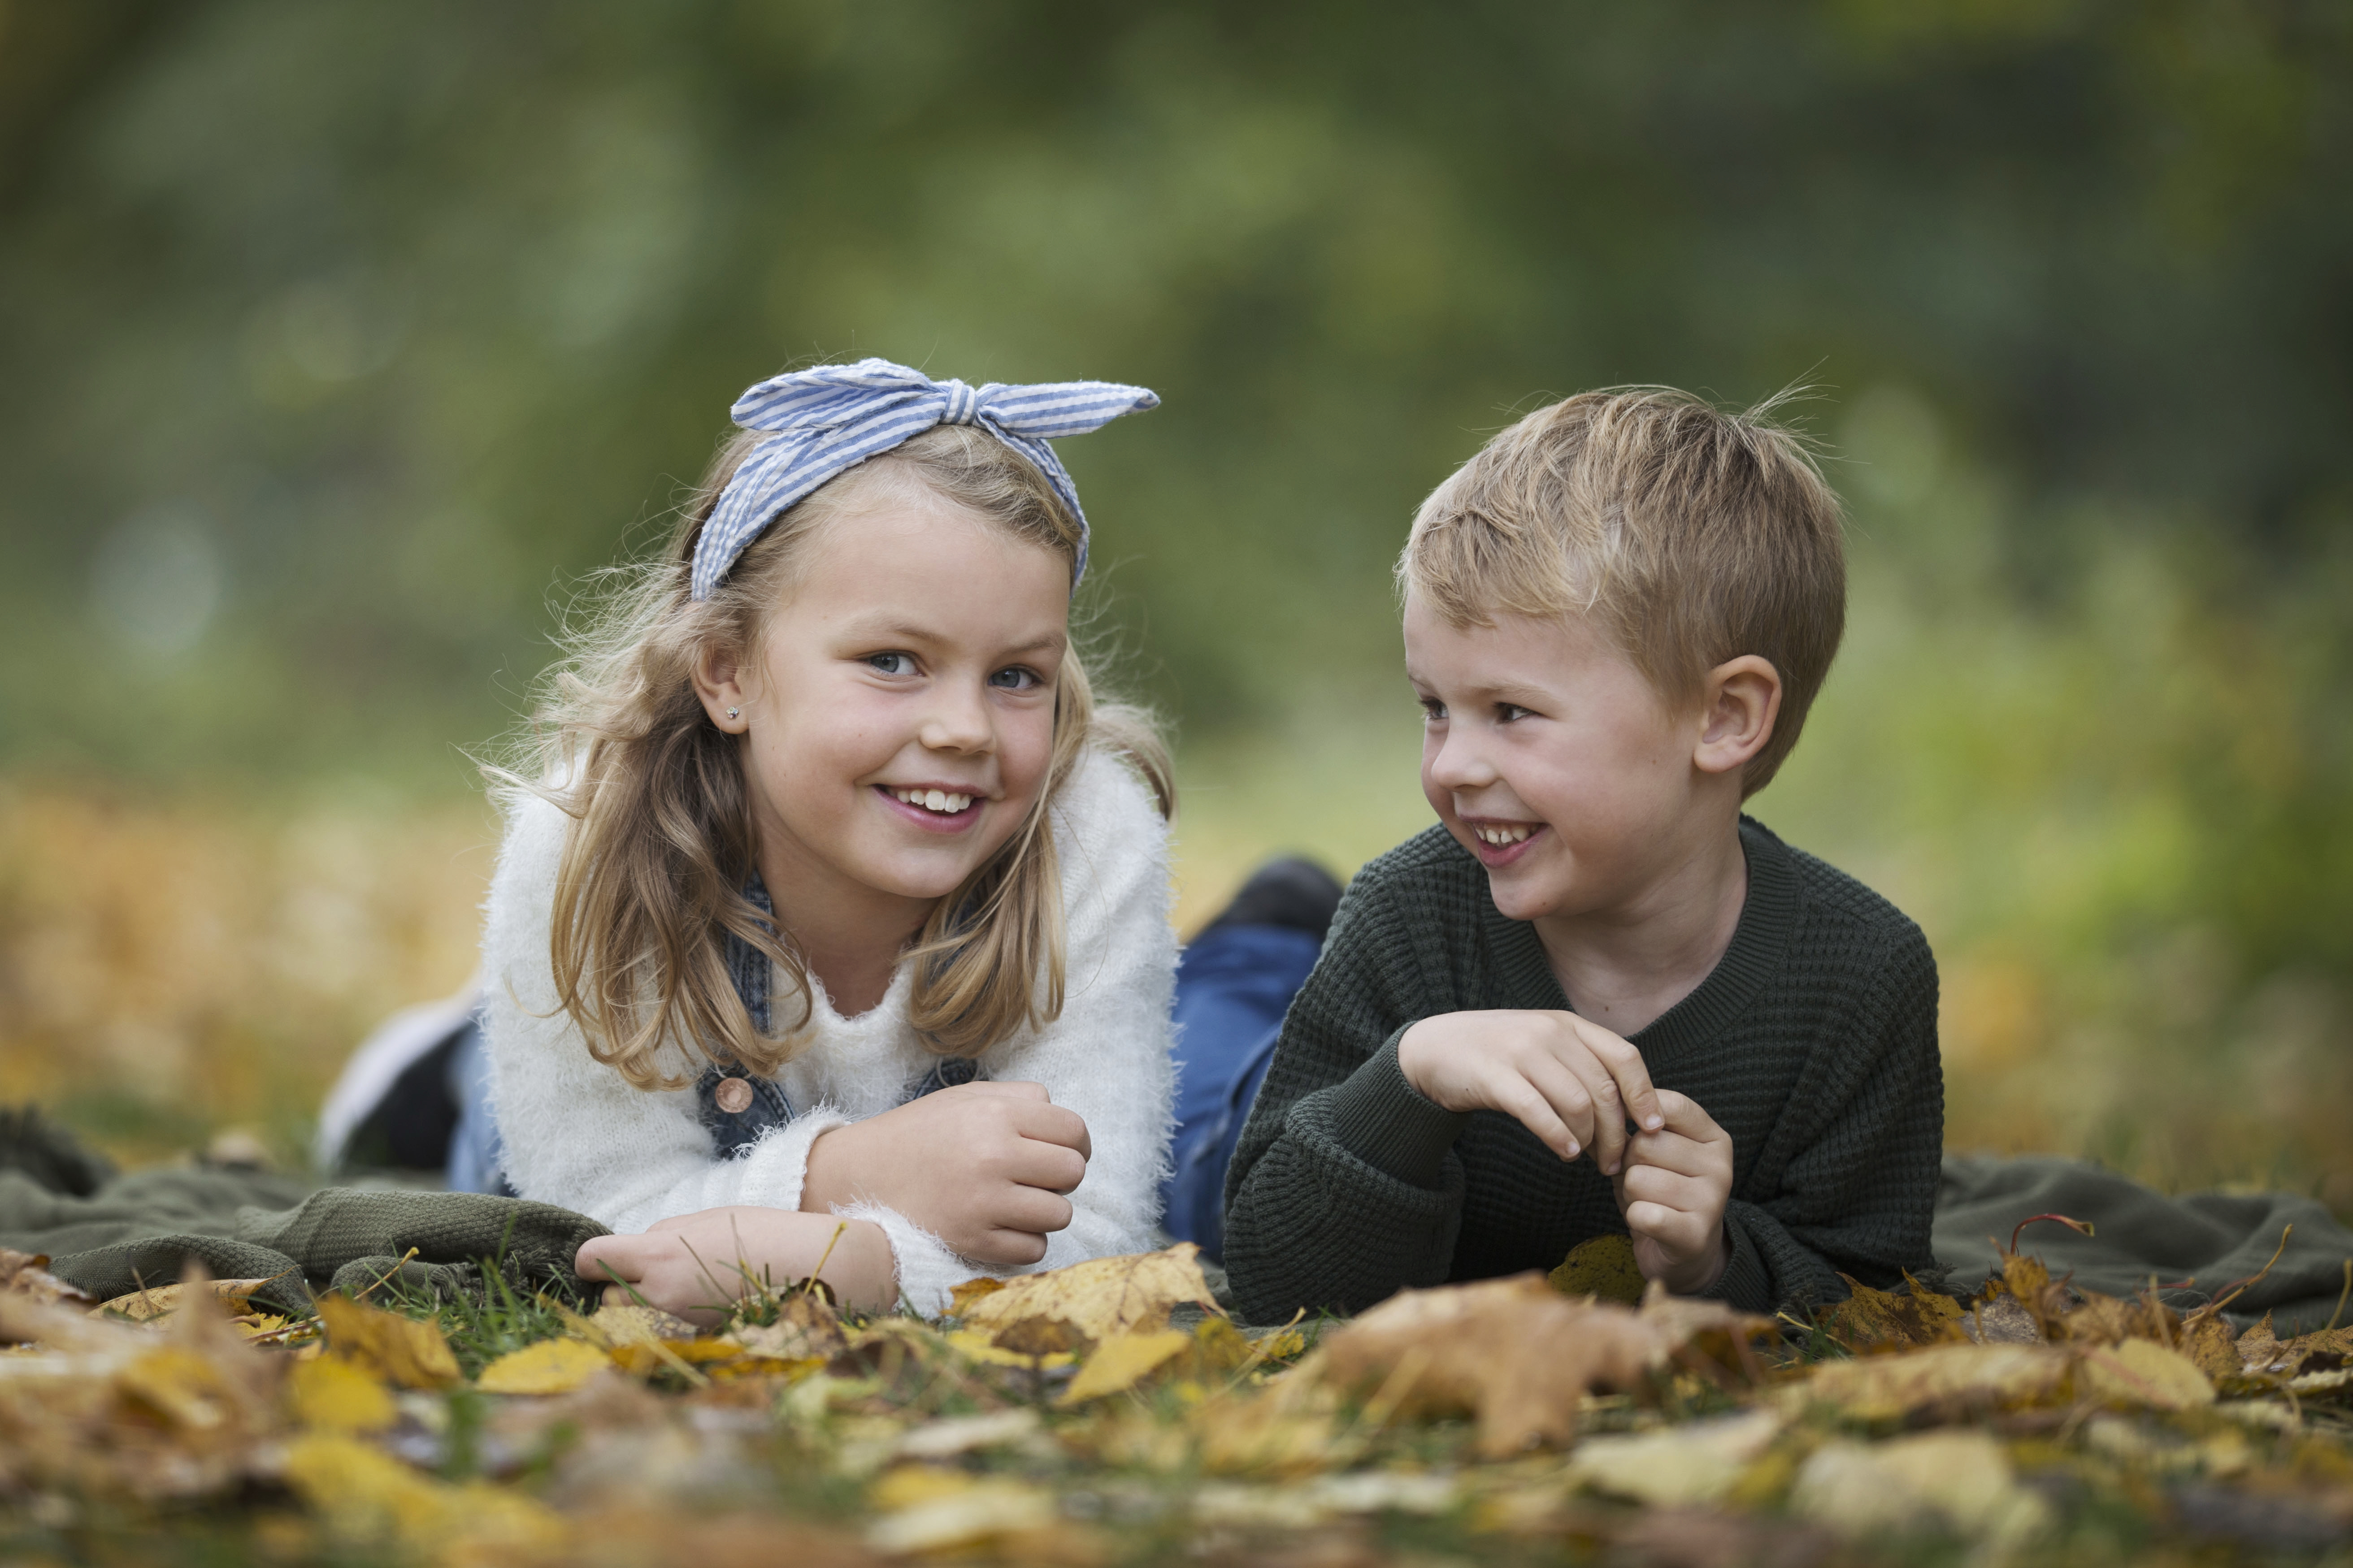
(662, 842)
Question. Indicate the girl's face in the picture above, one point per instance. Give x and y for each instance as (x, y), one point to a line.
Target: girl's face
(898, 705)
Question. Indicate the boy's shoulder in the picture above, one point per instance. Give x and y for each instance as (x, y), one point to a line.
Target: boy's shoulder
(1427, 876)
(1830, 899)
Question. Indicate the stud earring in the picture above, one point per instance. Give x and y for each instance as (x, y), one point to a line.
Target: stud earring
(735, 712)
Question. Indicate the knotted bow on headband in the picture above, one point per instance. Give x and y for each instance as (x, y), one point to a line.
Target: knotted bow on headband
(837, 415)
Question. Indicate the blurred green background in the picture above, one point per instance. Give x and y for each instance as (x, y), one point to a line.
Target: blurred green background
(341, 340)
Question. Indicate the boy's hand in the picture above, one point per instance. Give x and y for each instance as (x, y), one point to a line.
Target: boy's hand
(983, 1167)
(694, 1265)
(1672, 1193)
(1570, 1081)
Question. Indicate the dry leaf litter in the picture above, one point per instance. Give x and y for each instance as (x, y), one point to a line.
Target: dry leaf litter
(1108, 1413)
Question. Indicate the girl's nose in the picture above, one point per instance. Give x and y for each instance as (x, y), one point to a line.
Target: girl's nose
(958, 721)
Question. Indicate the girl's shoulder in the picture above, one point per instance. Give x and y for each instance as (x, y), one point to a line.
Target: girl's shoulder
(1105, 808)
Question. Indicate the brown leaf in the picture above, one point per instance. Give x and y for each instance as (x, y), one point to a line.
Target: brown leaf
(1872, 1319)
(1039, 1314)
(1602, 1267)
(807, 1327)
(2263, 1354)
(1944, 1380)
(406, 1351)
(27, 1274)
(1515, 1352)
(143, 1306)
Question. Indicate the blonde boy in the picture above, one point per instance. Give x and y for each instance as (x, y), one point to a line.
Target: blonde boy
(1596, 997)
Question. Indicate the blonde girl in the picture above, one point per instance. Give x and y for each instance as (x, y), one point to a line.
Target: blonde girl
(833, 894)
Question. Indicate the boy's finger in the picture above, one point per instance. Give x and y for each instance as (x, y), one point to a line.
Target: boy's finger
(1686, 1116)
(1631, 1075)
(1563, 1095)
(1680, 1233)
(1535, 1107)
(1608, 1136)
(1671, 1189)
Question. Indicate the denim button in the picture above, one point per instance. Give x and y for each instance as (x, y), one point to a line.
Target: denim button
(732, 1096)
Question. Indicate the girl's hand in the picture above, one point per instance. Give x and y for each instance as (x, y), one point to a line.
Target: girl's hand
(1672, 1193)
(694, 1265)
(1571, 1082)
(983, 1167)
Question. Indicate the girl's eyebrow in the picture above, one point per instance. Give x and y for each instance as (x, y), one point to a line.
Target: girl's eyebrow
(909, 631)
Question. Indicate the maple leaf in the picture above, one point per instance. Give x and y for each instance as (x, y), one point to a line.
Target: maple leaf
(1514, 1352)
(27, 1274)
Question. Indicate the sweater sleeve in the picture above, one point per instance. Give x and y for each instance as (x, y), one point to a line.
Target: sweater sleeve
(1345, 1187)
(1856, 1190)
(576, 1132)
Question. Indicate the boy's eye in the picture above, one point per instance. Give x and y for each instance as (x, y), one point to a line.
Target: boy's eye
(1432, 710)
(1507, 712)
(892, 663)
(1015, 678)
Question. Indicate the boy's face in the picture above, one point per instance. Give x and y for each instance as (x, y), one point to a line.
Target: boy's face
(1551, 758)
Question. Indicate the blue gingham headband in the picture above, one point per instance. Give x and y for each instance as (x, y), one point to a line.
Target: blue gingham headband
(835, 417)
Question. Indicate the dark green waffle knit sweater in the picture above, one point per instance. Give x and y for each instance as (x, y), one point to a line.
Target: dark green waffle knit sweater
(1813, 1044)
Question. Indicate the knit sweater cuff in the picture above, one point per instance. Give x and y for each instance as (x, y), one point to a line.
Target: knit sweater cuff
(1747, 1282)
(1385, 1122)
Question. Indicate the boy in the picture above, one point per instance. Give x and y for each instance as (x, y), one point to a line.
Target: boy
(1616, 616)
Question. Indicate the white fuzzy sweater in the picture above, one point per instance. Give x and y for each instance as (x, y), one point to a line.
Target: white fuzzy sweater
(577, 1134)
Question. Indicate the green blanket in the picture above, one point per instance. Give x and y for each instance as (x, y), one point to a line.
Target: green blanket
(2194, 1247)
(111, 1235)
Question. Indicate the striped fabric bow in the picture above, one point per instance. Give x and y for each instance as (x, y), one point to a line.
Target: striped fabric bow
(835, 417)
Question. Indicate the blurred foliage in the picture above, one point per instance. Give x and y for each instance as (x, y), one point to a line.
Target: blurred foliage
(344, 338)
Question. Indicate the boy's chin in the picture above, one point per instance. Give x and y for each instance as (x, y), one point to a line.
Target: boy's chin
(1522, 892)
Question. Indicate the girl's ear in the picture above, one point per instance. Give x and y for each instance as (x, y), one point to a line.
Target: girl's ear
(717, 681)
(1743, 697)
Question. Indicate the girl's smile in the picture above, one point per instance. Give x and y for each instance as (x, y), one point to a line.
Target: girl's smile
(934, 808)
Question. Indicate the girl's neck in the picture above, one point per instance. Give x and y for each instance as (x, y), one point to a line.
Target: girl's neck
(849, 935)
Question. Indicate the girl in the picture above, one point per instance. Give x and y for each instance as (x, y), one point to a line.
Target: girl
(840, 897)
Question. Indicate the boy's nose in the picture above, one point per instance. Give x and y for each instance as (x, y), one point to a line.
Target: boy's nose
(1459, 765)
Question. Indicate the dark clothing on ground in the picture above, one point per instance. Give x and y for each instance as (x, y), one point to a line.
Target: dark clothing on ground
(1812, 1044)
(2195, 1247)
(144, 1229)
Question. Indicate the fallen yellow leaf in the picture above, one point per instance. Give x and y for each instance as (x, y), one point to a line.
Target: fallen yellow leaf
(1872, 1319)
(366, 1496)
(1121, 1361)
(551, 1367)
(329, 1394)
(1038, 1313)
(1942, 1378)
(2142, 1372)
(1960, 1479)
(406, 1351)
(1675, 1466)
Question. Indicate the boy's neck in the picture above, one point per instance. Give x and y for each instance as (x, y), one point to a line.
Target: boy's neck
(1624, 966)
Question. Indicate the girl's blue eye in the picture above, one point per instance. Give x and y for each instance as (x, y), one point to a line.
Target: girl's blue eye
(1014, 677)
(892, 663)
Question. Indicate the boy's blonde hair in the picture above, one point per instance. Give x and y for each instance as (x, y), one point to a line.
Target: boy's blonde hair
(1690, 536)
(662, 842)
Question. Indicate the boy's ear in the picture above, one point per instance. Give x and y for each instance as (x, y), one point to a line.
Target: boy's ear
(717, 681)
(1742, 699)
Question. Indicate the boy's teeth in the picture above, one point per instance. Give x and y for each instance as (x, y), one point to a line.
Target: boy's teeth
(937, 800)
(1501, 835)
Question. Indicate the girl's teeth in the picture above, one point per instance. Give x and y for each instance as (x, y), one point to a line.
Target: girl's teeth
(934, 799)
